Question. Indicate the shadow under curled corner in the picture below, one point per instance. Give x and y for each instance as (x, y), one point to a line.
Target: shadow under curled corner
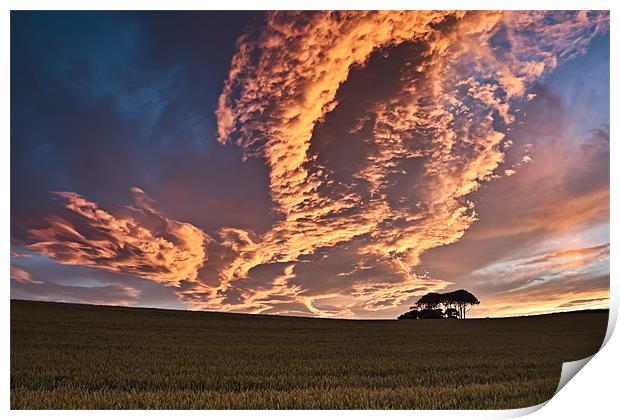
(569, 369)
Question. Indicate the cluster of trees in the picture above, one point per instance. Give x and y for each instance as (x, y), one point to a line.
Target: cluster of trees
(442, 305)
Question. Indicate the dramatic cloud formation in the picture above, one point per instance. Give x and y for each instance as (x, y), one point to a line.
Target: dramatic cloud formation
(142, 242)
(378, 131)
(446, 116)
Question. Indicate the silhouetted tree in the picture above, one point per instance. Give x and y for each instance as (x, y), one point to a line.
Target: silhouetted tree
(413, 314)
(452, 313)
(431, 314)
(456, 305)
(448, 301)
(430, 301)
(462, 299)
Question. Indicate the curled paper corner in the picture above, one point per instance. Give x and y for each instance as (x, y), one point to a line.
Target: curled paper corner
(611, 322)
(569, 370)
(520, 412)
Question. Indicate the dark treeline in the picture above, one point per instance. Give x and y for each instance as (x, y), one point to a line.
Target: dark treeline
(442, 305)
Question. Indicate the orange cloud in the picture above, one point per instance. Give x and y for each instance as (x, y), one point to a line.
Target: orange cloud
(559, 216)
(22, 276)
(562, 296)
(143, 242)
(571, 257)
(284, 82)
(547, 281)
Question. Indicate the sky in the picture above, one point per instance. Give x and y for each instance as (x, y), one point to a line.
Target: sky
(327, 164)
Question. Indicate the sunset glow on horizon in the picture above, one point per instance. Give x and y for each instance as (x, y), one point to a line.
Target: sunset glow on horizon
(329, 164)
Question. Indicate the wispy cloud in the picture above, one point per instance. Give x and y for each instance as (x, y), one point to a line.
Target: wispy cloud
(136, 240)
(27, 285)
(20, 275)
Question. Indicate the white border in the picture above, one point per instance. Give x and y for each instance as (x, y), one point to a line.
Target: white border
(307, 5)
(592, 395)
